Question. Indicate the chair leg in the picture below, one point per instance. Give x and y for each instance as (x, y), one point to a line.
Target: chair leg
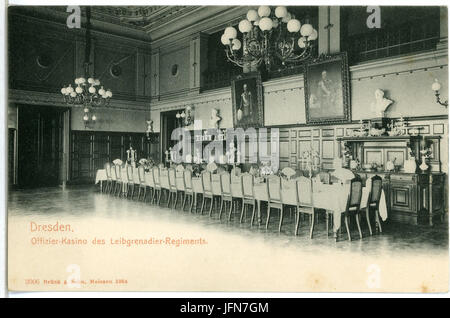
(357, 216)
(231, 210)
(159, 196)
(184, 201)
(192, 203)
(176, 200)
(242, 212)
(253, 214)
(368, 221)
(377, 215)
(203, 204)
(268, 216)
(221, 208)
(346, 226)
(211, 206)
(327, 216)
(297, 223)
(312, 225)
(281, 219)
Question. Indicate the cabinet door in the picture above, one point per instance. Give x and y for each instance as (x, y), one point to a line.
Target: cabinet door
(403, 197)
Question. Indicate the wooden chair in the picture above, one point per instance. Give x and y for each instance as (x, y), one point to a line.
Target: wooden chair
(119, 182)
(225, 184)
(130, 181)
(157, 185)
(109, 181)
(374, 202)
(216, 188)
(353, 205)
(207, 190)
(248, 196)
(236, 192)
(173, 192)
(150, 183)
(188, 191)
(179, 182)
(305, 202)
(142, 184)
(274, 198)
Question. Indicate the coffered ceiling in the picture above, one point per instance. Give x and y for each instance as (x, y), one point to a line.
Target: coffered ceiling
(151, 23)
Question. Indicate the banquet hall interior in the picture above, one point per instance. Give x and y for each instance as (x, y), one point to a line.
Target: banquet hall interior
(308, 128)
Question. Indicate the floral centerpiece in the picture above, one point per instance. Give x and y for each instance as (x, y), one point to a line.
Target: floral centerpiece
(146, 163)
(118, 162)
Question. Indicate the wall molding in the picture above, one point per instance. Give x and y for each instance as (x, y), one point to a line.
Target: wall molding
(51, 99)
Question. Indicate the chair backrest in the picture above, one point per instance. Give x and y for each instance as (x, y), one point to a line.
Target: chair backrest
(206, 182)
(180, 168)
(172, 179)
(225, 182)
(180, 180)
(354, 197)
(304, 191)
(274, 188)
(216, 184)
(247, 185)
(288, 172)
(155, 173)
(324, 177)
(141, 174)
(375, 191)
(130, 173)
(187, 179)
(236, 186)
(108, 170)
(118, 170)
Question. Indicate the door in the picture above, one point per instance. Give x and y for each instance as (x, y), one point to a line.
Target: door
(168, 124)
(40, 146)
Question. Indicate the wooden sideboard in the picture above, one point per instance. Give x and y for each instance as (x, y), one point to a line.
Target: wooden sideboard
(414, 198)
(411, 197)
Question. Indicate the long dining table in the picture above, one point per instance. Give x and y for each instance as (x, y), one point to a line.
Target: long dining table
(330, 197)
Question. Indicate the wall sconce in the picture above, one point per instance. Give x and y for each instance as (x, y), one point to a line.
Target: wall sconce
(185, 117)
(436, 87)
(151, 136)
(88, 120)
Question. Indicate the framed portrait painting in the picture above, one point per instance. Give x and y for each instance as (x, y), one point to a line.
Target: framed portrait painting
(247, 99)
(327, 95)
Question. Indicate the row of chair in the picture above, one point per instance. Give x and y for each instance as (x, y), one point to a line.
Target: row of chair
(233, 191)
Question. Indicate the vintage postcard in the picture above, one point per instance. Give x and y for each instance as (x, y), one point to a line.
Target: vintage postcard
(272, 148)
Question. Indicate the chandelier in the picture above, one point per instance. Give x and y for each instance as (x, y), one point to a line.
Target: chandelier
(87, 91)
(267, 35)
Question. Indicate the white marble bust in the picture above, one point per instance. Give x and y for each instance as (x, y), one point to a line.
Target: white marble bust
(215, 118)
(380, 104)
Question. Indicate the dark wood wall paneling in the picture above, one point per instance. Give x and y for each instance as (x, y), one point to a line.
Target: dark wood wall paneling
(90, 150)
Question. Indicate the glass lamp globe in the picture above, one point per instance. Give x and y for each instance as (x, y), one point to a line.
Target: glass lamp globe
(92, 90)
(245, 26)
(293, 25)
(178, 115)
(302, 42)
(73, 94)
(63, 91)
(90, 80)
(94, 118)
(101, 91)
(280, 12)
(224, 39)
(274, 23)
(236, 45)
(82, 80)
(108, 93)
(436, 86)
(264, 11)
(313, 35)
(306, 30)
(69, 89)
(85, 118)
(265, 24)
(78, 89)
(286, 18)
(230, 33)
(97, 82)
(252, 15)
